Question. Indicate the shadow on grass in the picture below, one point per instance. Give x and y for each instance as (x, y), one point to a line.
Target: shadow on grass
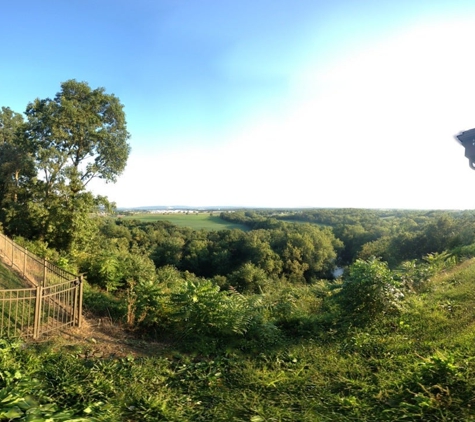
(10, 280)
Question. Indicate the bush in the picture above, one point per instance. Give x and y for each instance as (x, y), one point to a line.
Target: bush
(467, 251)
(201, 308)
(369, 290)
(416, 276)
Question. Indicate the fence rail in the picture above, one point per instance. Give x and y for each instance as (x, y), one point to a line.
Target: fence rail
(53, 300)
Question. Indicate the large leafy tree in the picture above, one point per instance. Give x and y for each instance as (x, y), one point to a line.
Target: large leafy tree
(12, 158)
(10, 123)
(79, 135)
(16, 167)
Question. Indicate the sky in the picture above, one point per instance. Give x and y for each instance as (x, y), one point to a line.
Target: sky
(264, 103)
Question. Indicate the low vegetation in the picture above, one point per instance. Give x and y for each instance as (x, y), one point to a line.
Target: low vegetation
(314, 363)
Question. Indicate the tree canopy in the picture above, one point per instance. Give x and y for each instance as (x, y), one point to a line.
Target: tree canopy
(79, 135)
(47, 161)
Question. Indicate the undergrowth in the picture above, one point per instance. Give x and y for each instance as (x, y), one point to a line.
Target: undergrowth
(414, 365)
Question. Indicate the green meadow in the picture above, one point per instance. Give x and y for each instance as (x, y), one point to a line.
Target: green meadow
(202, 221)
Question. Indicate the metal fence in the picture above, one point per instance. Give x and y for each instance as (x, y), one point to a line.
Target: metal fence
(52, 301)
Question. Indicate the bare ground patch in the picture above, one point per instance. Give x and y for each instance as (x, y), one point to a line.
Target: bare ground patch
(102, 338)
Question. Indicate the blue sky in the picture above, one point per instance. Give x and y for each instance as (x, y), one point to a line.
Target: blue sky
(270, 103)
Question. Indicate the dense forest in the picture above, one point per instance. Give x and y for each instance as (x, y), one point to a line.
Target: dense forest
(300, 315)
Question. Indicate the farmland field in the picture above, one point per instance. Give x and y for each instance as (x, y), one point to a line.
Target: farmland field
(200, 221)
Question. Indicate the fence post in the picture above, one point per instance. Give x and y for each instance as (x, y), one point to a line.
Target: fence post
(44, 272)
(13, 255)
(76, 302)
(81, 287)
(24, 262)
(37, 318)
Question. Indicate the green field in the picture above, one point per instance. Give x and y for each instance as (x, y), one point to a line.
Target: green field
(200, 221)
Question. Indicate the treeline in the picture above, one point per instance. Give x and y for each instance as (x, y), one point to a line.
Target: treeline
(146, 268)
(393, 235)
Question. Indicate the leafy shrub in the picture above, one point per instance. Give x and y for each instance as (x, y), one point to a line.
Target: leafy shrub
(248, 278)
(201, 308)
(369, 290)
(416, 276)
(291, 299)
(114, 269)
(467, 251)
(148, 300)
(440, 261)
(106, 270)
(148, 305)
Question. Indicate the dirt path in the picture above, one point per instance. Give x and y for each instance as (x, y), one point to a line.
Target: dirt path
(102, 339)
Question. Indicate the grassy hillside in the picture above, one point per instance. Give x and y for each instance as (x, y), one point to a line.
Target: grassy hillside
(194, 221)
(415, 366)
(9, 279)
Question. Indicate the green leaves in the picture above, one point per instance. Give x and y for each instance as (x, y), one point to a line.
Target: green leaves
(369, 290)
(47, 162)
(79, 135)
(113, 269)
(22, 393)
(202, 309)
